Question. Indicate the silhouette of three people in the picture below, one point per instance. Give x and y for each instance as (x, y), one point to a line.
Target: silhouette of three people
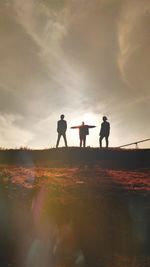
(83, 132)
(61, 130)
(104, 131)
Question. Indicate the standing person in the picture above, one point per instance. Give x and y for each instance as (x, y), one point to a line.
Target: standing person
(61, 130)
(104, 131)
(83, 132)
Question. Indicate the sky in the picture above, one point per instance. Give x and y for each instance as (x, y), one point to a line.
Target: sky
(81, 58)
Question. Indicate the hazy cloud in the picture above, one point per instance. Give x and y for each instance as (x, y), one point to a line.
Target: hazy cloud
(12, 135)
(66, 56)
(134, 43)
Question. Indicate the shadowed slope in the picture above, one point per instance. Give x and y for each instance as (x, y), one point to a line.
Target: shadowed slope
(110, 158)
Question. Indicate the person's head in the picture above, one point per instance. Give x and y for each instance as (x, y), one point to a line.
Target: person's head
(104, 118)
(82, 122)
(62, 117)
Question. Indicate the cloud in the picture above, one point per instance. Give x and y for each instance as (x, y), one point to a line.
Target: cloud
(134, 44)
(10, 134)
(75, 56)
(47, 29)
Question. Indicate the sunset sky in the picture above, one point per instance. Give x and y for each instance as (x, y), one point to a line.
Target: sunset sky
(81, 58)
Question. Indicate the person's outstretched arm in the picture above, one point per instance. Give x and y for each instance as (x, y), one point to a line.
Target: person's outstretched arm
(91, 126)
(74, 127)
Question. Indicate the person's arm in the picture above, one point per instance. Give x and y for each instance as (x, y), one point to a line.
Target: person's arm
(108, 128)
(101, 129)
(57, 127)
(65, 126)
(75, 127)
(91, 126)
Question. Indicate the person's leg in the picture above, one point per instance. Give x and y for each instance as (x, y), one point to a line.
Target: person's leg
(84, 141)
(65, 139)
(100, 141)
(107, 143)
(80, 140)
(58, 139)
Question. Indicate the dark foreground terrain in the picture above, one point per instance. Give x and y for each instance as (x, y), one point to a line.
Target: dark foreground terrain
(109, 158)
(67, 212)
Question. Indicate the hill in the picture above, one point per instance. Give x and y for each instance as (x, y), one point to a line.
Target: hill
(110, 157)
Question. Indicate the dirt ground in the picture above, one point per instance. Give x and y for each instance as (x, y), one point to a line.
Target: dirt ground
(76, 216)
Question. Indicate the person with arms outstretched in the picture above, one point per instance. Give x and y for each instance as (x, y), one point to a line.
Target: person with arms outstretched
(61, 130)
(104, 131)
(83, 132)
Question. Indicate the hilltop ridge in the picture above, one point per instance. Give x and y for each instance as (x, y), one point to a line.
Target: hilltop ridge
(107, 157)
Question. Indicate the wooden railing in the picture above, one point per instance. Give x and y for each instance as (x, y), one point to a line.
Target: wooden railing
(135, 143)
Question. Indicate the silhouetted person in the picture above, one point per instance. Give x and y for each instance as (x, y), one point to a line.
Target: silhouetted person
(83, 132)
(61, 129)
(104, 131)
